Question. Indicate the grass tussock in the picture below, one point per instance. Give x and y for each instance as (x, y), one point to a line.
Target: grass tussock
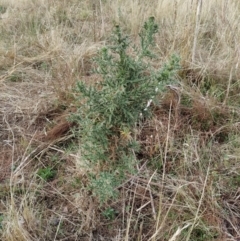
(70, 172)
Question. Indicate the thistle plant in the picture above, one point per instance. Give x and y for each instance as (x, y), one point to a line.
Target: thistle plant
(111, 108)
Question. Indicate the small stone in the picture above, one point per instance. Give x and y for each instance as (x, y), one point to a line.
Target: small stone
(54, 221)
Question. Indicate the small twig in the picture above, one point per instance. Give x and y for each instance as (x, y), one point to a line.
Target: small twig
(228, 87)
(199, 204)
(143, 206)
(58, 227)
(198, 13)
(94, 21)
(178, 232)
(102, 27)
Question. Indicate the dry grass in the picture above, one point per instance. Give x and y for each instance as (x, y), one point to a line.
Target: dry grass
(187, 182)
